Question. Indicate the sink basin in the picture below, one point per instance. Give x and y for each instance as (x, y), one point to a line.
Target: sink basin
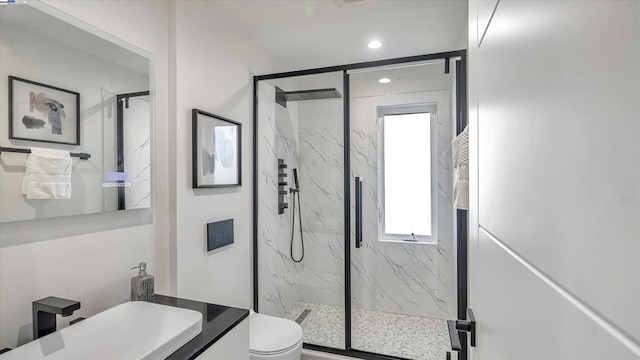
(132, 331)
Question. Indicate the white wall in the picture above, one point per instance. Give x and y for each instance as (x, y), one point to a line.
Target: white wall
(555, 144)
(214, 61)
(88, 257)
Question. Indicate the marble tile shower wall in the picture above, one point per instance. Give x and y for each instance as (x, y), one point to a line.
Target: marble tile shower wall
(411, 279)
(322, 196)
(278, 131)
(137, 143)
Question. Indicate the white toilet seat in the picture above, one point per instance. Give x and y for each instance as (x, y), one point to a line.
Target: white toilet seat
(279, 352)
(271, 336)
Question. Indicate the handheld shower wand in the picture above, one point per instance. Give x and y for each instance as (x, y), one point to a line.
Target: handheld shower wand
(295, 189)
(296, 192)
(295, 179)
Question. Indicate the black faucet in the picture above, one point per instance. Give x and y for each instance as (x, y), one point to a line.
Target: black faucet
(44, 314)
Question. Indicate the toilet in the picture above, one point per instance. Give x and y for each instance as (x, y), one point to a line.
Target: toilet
(273, 338)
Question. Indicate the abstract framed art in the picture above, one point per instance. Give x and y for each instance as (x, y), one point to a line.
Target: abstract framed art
(216, 151)
(44, 113)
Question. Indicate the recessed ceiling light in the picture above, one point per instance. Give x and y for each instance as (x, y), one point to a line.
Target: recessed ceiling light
(374, 44)
(384, 81)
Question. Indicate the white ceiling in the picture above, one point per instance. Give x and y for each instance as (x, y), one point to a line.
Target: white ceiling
(404, 79)
(315, 33)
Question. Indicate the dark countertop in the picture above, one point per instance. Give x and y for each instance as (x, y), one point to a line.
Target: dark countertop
(217, 320)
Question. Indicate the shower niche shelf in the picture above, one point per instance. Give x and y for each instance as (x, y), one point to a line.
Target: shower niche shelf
(282, 186)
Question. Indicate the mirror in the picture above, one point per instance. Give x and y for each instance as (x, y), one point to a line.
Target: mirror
(68, 87)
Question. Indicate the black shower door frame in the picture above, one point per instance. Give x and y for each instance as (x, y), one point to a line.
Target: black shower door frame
(461, 215)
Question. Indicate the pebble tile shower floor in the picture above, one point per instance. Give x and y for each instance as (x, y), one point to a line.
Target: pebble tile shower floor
(405, 336)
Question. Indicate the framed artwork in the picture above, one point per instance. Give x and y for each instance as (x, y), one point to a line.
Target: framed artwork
(216, 151)
(39, 112)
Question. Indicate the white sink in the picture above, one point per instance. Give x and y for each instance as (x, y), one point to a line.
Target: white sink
(131, 331)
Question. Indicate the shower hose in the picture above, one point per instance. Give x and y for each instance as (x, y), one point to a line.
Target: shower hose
(293, 226)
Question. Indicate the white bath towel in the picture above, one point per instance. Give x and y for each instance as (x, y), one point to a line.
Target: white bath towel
(461, 164)
(48, 174)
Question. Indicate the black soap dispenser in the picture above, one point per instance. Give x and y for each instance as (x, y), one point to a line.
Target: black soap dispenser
(142, 285)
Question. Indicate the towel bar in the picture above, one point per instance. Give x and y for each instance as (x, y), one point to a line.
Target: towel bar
(82, 156)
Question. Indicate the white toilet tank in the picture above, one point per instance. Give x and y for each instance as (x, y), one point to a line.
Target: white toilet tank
(272, 338)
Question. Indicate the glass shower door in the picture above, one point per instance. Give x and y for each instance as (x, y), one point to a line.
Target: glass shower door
(402, 267)
(301, 204)
(133, 150)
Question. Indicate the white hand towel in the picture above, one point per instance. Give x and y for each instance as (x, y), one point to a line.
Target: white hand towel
(48, 174)
(461, 164)
(461, 188)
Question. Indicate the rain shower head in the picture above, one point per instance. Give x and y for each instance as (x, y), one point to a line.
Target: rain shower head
(302, 95)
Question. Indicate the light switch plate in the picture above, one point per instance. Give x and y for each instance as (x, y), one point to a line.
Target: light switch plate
(219, 234)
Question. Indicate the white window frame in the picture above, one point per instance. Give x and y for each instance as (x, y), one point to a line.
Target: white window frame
(383, 111)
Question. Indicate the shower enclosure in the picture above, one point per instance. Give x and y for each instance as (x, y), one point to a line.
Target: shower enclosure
(127, 131)
(371, 260)
(133, 143)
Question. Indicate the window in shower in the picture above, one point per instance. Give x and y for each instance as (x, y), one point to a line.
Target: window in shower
(407, 173)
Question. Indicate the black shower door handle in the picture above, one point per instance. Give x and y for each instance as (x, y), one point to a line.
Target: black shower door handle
(358, 211)
(455, 326)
